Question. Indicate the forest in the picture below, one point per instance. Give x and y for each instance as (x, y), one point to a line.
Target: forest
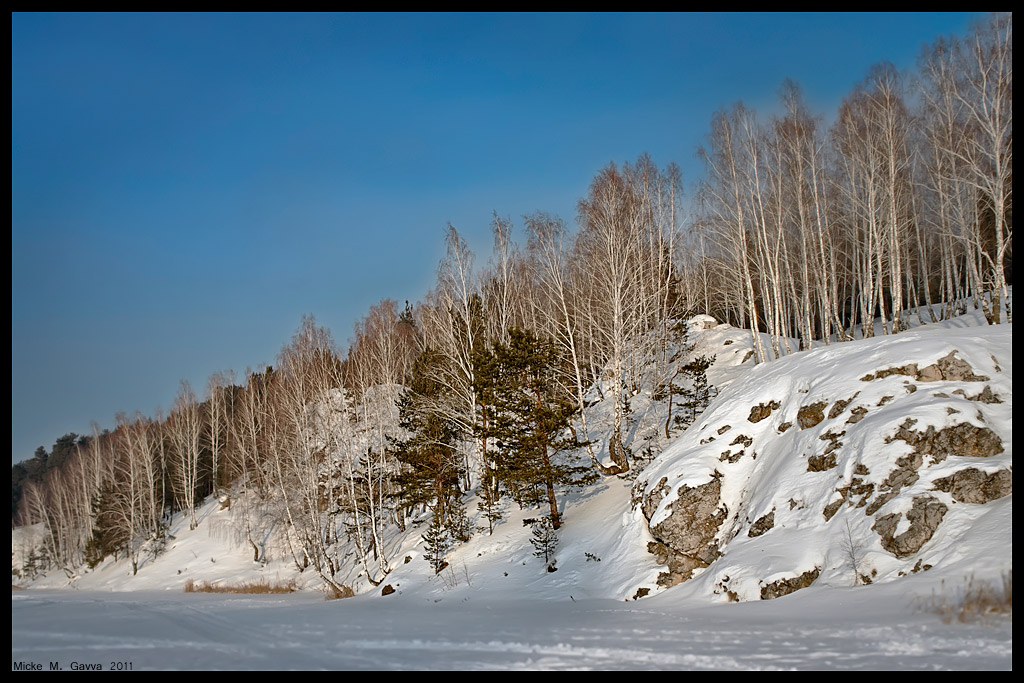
(800, 232)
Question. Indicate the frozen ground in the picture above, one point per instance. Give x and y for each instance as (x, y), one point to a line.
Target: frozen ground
(870, 627)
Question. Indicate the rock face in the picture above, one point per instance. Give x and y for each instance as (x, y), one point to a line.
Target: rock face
(762, 410)
(971, 485)
(835, 464)
(692, 524)
(965, 440)
(763, 525)
(777, 589)
(810, 415)
(924, 518)
(948, 368)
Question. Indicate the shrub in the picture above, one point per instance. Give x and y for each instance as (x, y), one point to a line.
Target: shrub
(975, 600)
(333, 592)
(258, 587)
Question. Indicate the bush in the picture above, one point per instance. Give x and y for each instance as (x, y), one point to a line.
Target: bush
(332, 592)
(258, 587)
(975, 600)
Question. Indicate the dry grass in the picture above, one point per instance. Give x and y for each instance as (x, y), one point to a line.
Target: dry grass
(975, 600)
(338, 592)
(259, 587)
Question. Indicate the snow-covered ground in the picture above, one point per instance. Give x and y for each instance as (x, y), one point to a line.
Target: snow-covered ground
(869, 627)
(496, 607)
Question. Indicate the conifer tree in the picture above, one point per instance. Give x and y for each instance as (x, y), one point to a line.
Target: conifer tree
(530, 425)
(545, 541)
(437, 542)
(430, 465)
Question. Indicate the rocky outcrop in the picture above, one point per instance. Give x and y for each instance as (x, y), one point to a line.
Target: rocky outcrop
(690, 528)
(777, 589)
(762, 410)
(763, 525)
(948, 368)
(839, 406)
(972, 485)
(680, 566)
(904, 474)
(924, 518)
(965, 440)
(810, 415)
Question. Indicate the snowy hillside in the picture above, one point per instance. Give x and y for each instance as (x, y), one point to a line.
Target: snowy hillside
(885, 461)
(860, 462)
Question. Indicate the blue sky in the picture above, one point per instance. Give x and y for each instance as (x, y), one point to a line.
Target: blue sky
(185, 187)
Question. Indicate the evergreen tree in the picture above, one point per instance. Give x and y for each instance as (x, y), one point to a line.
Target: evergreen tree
(697, 398)
(530, 423)
(437, 542)
(545, 541)
(430, 465)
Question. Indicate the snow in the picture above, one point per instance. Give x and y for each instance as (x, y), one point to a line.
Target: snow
(496, 607)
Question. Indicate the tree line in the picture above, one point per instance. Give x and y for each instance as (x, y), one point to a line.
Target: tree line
(800, 233)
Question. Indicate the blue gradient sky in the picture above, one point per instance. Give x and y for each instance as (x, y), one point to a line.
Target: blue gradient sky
(186, 187)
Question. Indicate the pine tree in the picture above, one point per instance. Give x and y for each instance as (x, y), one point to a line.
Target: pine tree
(437, 543)
(698, 397)
(430, 466)
(530, 424)
(545, 541)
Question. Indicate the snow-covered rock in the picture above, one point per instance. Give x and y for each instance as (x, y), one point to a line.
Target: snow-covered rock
(852, 463)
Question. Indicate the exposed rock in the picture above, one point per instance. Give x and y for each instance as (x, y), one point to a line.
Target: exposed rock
(763, 410)
(762, 525)
(832, 508)
(743, 439)
(748, 356)
(723, 429)
(910, 369)
(950, 368)
(833, 439)
(856, 415)
(694, 519)
(729, 456)
(680, 566)
(388, 589)
(784, 426)
(924, 518)
(985, 396)
(840, 406)
(965, 440)
(905, 474)
(972, 485)
(653, 499)
(641, 593)
(857, 487)
(885, 399)
(777, 589)
(820, 463)
(812, 414)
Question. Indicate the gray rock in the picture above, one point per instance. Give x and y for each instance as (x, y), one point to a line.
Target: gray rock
(924, 517)
(693, 522)
(777, 589)
(763, 525)
(763, 410)
(972, 485)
